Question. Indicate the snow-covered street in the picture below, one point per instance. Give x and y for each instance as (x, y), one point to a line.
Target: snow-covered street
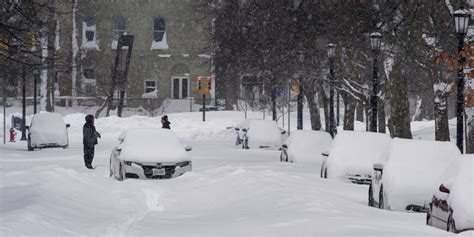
(230, 191)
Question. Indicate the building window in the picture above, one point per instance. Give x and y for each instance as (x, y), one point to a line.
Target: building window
(159, 34)
(89, 81)
(89, 73)
(89, 89)
(180, 87)
(150, 86)
(89, 35)
(119, 27)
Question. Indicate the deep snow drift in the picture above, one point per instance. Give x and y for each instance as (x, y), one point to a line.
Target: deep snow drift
(230, 192)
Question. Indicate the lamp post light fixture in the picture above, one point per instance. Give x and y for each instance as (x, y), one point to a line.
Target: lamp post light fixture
(375, 41)
(332, 122)
(461, 23)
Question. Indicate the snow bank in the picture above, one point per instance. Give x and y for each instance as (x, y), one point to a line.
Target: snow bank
(264, 133)
(152, 145)
(307, 145)
(413, 169)
(48, 128)
(461, 197)
(355, 153)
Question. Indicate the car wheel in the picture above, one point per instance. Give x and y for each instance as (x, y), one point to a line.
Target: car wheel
(381, 198)
(451, 224)
(371, 197)
(66, 146)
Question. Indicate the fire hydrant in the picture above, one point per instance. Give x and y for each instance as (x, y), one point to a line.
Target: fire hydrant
(12, 135)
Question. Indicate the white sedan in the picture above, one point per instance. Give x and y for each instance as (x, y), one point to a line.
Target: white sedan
(149, 153)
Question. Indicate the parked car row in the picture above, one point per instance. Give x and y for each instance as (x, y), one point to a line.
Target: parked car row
(146, 153)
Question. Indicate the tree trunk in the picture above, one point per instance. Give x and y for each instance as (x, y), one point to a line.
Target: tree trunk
(381, 116)
(470, 138)
(349, 112)
(441, 117)
(399, 105)
(314, 114)
(325, 102)
(360, 112)
(274, 104)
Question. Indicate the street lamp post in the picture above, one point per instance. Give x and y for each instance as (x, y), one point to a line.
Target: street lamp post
(375, 39)
(23, 106)
(299, 98)
(332, 122)
(461, 22)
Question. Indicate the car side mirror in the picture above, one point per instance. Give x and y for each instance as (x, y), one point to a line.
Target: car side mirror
(443, 189)
(244, 130)
(68, 125)
(325, 154)
(237, 129)
(378, 167)
(188, 148)
(283, 132)
(285, 146)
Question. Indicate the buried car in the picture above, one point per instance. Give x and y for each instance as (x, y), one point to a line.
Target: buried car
(452, 206)
(305, 146)
(405, 180)
(149, 153)
(352, 155)
(47, 130)
(262, 134)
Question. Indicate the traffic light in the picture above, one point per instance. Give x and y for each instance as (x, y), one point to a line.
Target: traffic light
(199, 80)
(209, 83)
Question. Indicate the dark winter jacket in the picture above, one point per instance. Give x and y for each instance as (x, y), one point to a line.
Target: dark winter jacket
(89, 134)
(166, 124)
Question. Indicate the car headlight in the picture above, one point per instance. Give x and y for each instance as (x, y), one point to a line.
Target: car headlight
(182, 164)
(133, 164)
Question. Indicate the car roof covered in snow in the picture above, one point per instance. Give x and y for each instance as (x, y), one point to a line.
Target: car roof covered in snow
(356, 152)
(413, 169)
(307, 145)
(151, 145)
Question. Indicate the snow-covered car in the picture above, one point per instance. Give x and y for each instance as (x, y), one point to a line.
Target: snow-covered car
(305, 146)
(353, 154)
(452, 206)
(406, 178)
(47, 130)
(262, 134)
(149, 153)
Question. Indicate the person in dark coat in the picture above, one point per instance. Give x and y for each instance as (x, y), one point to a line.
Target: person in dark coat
(89, 140)
(165, 122)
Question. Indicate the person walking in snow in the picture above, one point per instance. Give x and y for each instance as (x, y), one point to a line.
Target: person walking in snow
(89, 140)
(165, 122)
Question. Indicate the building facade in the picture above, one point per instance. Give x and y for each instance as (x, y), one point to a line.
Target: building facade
(170, 49)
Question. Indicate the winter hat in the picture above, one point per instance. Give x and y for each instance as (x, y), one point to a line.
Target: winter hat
(165, 117)
(90, 118)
